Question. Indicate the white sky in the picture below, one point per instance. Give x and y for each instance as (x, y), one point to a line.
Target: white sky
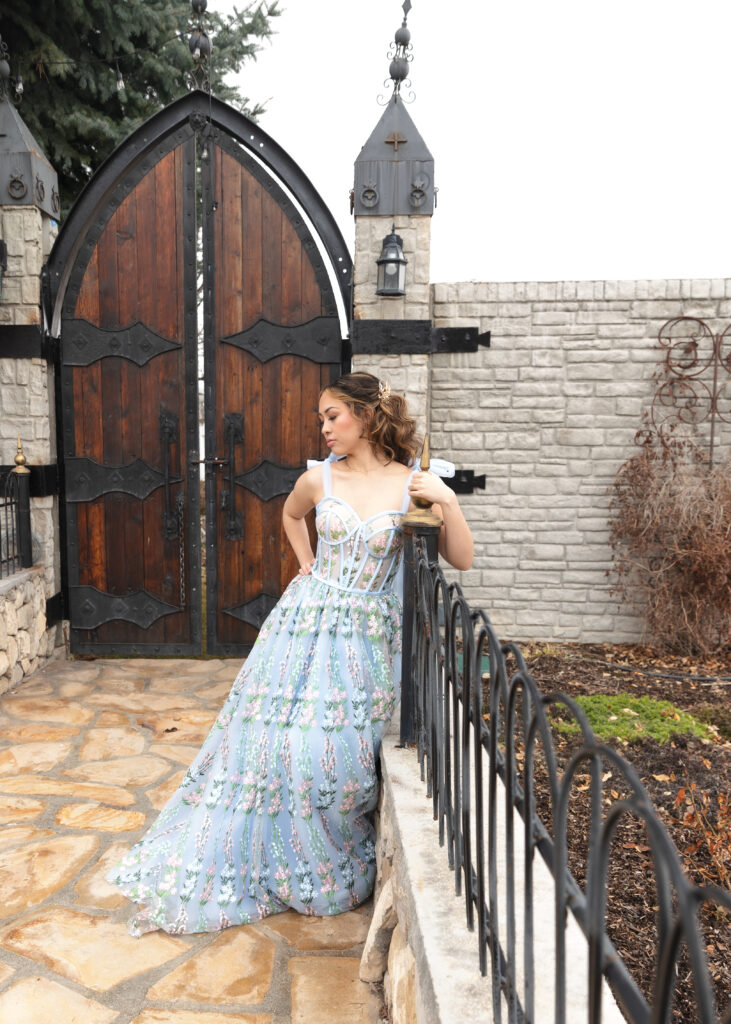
(571, 140)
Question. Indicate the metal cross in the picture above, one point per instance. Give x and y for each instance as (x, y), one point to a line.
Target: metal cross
(394, 139)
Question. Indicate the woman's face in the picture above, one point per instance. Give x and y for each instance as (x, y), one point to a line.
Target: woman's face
(340, 428)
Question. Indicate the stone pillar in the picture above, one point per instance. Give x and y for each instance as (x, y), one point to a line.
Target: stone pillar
(406, 373)
(27, 410)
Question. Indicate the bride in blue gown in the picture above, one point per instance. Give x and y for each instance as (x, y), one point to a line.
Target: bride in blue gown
(275, 810)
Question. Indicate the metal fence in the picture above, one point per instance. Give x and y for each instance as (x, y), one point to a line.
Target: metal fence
(479, 745)
(15, 531)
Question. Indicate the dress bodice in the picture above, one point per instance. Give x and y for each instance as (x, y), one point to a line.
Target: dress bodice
(354, 554)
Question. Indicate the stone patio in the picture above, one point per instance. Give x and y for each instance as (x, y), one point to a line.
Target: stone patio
(89, 753)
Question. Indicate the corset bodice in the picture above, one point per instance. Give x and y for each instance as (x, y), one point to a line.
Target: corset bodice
(354, 554)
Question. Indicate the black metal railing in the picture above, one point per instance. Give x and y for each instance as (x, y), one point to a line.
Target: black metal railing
(15, 531)
(479, 745)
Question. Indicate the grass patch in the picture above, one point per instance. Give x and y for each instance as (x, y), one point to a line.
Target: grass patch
(621, 716)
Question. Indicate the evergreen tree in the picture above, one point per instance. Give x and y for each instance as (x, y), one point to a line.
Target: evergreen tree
(69, 52)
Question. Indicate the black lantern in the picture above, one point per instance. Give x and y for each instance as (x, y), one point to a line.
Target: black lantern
(392, 266)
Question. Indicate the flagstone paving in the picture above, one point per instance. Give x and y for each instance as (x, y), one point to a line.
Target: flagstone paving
(89, 753)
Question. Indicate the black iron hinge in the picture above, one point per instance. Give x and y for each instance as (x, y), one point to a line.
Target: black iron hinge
(54, 609)
(464, 481)
(458, 339)
(381, 337)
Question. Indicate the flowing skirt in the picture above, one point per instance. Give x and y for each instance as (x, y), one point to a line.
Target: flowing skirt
(274, 811)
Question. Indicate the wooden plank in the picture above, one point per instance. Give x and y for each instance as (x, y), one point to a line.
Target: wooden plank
(168, 259)
(230, 277)
(87, 302)
(291, 275)
(312, 302)
(253, 302)
(271, 260)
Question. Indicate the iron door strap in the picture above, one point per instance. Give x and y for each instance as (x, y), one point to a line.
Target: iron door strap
(233, 430)
(180, 510)
(169, 437)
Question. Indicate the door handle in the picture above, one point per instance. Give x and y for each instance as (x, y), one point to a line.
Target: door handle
(169, 437)
(233, 431)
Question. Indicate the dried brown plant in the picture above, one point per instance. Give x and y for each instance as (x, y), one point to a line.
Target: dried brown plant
(670, 531)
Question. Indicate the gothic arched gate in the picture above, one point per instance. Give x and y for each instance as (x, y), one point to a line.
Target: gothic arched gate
(122, 296)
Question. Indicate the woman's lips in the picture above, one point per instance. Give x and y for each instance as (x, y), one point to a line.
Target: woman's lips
(329, 441)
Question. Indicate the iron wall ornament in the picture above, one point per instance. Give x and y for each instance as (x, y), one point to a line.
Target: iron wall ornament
(268, 480)
(90, 607)
(318, 340)
(255, 611)
(17, 187)
(694, 382)
(87, 479)
(84, 343)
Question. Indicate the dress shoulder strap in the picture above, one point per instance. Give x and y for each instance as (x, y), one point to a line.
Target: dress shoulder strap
(405, 502)
(326, 479)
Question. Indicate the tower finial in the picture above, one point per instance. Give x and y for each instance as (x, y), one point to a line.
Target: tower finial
(401, 53)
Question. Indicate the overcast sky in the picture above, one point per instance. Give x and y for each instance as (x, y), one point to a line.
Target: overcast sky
(571, 140)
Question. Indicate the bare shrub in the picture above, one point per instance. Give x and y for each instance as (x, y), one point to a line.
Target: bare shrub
(670, 531)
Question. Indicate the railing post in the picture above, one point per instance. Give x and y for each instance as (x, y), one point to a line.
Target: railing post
(421, 522)
(407, 643)
(413, 531)
(22, 479)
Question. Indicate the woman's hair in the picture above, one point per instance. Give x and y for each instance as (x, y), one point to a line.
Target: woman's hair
(384, 415)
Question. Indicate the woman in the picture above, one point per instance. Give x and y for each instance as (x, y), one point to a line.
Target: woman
(274, 811)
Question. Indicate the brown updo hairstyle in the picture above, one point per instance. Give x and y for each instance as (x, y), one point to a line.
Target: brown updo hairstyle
(386, 422)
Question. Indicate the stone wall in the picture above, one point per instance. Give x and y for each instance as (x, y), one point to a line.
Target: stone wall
(27, 412)
(549, 413)
(25, 643)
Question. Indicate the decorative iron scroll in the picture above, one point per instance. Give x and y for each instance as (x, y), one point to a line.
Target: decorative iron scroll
(255, 611)
(87, 479)
(84, 343)
(481, 726)
(267, 480)
(694, 380)
(318, 340)
(90, 608)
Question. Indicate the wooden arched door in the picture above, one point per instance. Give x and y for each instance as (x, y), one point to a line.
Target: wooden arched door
(181, 207)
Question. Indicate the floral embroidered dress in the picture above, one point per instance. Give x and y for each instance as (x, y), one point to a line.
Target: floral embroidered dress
(274, 811)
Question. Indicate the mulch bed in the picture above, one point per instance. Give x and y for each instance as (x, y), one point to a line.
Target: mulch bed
(700, 830)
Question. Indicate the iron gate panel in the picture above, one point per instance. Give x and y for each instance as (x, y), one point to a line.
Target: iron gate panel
(129, 365)
(127, 379)
(271, 341)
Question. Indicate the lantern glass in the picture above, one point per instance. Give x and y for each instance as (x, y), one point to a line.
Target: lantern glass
(391, 267)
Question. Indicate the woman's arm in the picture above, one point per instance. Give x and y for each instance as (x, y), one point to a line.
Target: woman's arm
(455, 538)
(299, 502)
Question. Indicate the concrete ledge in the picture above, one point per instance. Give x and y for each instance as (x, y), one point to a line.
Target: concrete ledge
(433, 972)
(449, 986)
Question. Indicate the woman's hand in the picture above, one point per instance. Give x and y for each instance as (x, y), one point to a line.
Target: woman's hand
(305, 568)
(428, 487)
(455, 539)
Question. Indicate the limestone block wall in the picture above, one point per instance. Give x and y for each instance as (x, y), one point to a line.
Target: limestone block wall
(27, 412)
(24, 640)
(407, 374)
(415, 231)
(549, 413)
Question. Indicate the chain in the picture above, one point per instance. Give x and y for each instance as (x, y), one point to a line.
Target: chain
(180, 509)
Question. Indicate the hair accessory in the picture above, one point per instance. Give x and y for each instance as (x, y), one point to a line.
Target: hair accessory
(384, 390)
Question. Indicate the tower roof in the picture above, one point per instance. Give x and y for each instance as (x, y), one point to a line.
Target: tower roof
(394, 172)
(26, 176)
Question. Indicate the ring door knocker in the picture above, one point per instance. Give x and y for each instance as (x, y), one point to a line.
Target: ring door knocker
(173, 523)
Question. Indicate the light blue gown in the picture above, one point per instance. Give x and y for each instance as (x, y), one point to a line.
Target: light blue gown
(275, 811)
